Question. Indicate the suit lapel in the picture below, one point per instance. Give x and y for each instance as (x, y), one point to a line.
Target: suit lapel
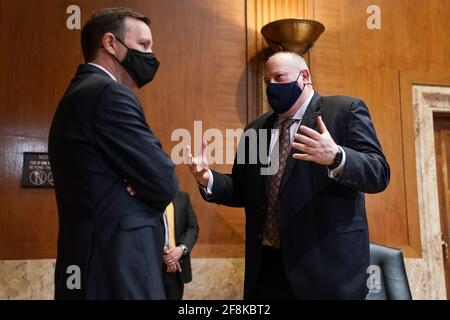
(177, 215)
(268, 126)
(308, 120)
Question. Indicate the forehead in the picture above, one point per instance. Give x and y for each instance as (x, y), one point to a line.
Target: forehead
(279, 63)
(135, 28)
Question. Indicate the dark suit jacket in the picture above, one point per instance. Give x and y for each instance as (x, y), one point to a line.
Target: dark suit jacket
(98, 138)
(186, 231)
(322, 222)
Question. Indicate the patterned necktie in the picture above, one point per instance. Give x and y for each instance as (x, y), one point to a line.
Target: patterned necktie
(271, 232)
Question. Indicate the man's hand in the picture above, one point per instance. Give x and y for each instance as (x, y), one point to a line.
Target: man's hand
(130, 189)
(171, 266)
(171, 259)
(175, 253)
(198, 166)
(318, 147)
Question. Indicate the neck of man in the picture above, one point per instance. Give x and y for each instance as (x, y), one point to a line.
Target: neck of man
(112, 65)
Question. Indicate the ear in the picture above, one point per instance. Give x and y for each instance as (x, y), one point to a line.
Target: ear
(306, 77)
(109, 43)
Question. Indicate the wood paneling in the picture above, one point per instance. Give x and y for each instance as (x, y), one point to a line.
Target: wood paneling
(201, 45)
(37, 58)
(352, 60)
(209, 63)
(387, 211)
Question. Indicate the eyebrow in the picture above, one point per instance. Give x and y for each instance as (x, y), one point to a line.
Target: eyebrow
(276, 73)
(146, 41)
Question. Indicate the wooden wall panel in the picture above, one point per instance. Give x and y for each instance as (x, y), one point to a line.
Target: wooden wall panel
(36, 58)
(201, 46)
(350, 59)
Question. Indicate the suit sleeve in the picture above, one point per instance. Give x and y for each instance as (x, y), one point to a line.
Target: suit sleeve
(128, 143)
(190, 234)
(228, 189)
(366, 168)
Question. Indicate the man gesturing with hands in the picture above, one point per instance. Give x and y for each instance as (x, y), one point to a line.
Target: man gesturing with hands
(306, 225)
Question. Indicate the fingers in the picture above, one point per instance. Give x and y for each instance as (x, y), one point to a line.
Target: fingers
(303, 156)
(188, 155)
(303, 148)
(313, 134)
(321, 125)
(305, 140)
(196, 164)
(131, 191)
(171, 268)
(169, 259)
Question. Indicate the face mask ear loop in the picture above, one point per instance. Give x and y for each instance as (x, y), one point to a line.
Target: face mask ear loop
(309, 82)
(118, 39)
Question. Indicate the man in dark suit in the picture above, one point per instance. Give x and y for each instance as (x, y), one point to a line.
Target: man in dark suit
(306, 225)
(110, 243)
(180, 237)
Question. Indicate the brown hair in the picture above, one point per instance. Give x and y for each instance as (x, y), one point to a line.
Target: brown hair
(101, 22)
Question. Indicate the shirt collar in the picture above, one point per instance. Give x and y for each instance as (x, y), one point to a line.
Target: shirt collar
(301, 111)
(103, 69)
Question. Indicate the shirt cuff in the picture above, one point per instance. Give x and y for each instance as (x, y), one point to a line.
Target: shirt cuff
(337, 172)
(208, 189)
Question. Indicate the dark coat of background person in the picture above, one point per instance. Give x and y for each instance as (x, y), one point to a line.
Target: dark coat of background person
(322, 222)
(99, 138)
(186, 232)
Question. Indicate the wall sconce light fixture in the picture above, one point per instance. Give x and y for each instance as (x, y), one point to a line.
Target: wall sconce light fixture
(294, 35)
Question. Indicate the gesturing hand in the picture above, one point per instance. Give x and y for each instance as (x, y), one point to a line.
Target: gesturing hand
(318, 147)
(198, 166)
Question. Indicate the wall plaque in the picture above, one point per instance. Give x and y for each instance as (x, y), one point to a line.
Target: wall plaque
(36, 171)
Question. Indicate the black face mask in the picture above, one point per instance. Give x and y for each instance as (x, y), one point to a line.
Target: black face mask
(141, 66)
(282, 96)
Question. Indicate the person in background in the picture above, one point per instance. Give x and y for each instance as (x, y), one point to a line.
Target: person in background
(180, 237)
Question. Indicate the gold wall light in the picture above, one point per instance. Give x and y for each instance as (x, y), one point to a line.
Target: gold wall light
(294, 35)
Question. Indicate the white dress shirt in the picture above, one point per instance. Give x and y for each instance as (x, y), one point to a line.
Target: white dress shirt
(103, 69)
